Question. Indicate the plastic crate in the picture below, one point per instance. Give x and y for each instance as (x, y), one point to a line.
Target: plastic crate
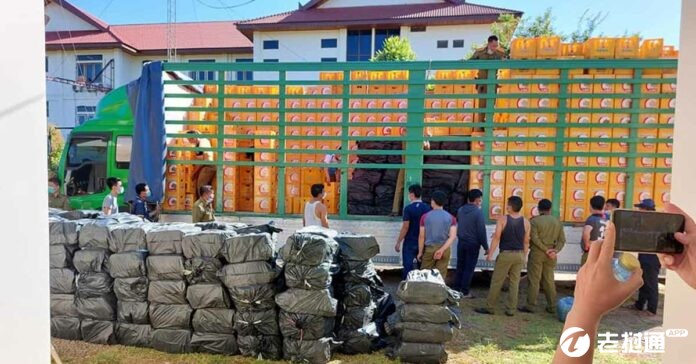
(523, 48)
(669, 52)
(548, 47)
(627, 48)
(600, 48)
(572, 50)
(651, 48)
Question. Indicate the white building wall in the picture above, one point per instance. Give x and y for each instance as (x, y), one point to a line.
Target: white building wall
(352, 3)
(425, 43)
(61, 19)
(63, 100)
(300, 46)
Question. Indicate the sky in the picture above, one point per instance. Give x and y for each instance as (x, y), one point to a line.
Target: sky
(651, 18)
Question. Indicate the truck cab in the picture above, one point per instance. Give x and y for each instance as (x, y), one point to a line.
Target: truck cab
(98, 149)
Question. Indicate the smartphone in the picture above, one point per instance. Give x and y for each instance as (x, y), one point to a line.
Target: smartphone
(647, 231)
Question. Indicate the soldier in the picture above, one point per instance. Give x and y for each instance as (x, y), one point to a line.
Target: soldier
(512, 234)
(203, 208)
(547, 240)
(56, 199)
(490, 52)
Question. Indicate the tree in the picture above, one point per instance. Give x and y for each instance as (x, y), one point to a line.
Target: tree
(587, 25)
(504, 28)
(395, 49)
(541, 26)
(56, 145)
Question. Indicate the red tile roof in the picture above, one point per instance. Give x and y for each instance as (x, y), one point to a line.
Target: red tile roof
(198, 37)
(203, 37)
(440, 13)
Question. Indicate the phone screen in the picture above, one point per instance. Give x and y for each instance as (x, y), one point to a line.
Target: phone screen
(647, 231)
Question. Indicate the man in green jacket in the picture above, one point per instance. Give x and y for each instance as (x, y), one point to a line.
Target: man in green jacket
(203, 208)
(547, 240)
(491, 51)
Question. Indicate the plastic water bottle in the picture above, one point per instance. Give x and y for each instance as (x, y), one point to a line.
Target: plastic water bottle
(624, 265)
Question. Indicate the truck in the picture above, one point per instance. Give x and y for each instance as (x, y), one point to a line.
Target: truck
(560, 129)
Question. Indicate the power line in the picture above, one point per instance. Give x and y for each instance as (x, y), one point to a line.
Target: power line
(224, 6)
(105, 8)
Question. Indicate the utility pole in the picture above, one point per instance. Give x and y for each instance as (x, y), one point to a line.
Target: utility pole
(171, 30)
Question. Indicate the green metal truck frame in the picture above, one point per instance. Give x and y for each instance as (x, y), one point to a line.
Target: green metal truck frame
(307, 74)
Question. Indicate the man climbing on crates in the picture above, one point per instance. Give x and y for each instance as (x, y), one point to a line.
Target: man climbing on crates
(203, 175)
(491, 51)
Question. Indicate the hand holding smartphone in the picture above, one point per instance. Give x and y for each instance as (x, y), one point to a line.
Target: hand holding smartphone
(647, 231)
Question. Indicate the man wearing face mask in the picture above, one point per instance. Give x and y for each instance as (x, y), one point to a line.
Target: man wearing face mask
(140, 204)
(203, 208)
(110, 204)
(56, 199)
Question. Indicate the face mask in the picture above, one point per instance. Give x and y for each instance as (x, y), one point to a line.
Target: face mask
(51, 190)
(148, 193)
(210, 199)
(121, 190)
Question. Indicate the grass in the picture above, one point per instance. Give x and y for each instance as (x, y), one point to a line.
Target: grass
(524, 338)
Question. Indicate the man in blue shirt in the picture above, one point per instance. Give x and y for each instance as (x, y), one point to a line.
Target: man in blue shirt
(410, 229)
(140, 203)
(471, 232)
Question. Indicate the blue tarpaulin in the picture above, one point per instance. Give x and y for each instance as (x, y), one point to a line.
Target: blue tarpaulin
(149, 149)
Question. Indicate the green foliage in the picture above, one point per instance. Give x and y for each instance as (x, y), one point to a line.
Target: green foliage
(587, 25)
(504, 28)
(56, 143)
(395, 49)
(540, 26)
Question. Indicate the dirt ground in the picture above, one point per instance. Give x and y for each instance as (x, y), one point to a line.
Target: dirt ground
(524, 338)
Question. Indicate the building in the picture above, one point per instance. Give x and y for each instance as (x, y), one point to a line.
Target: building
(353, 30)
(85, 57)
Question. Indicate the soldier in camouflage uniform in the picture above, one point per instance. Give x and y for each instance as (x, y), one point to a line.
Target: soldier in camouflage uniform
(490, 52)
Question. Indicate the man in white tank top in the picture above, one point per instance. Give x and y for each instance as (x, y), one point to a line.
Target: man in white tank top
(315, 213)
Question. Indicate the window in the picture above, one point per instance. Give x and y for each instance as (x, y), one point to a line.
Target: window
(124, 146)
(458, 43)
(359, 45)
(382, 34)
(329, 60)
(202, 75)
(418, 28)
(48, 114)
(329, 43)
(245, 75)
(46, 64)
(270, 60)
(442, 43)
(86, 172)
(89, 66)
(84, 113)
(270, 44)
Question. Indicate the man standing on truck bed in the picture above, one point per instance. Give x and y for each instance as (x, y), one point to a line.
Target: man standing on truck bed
(438, 229)
(203, 207)
(547, 239)
(593, 225)
(410, 229)
(56, 199)
(204, 175)
(315, 213)
(512, 233)
(110, 204)
(471, 232)
(490, 52)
